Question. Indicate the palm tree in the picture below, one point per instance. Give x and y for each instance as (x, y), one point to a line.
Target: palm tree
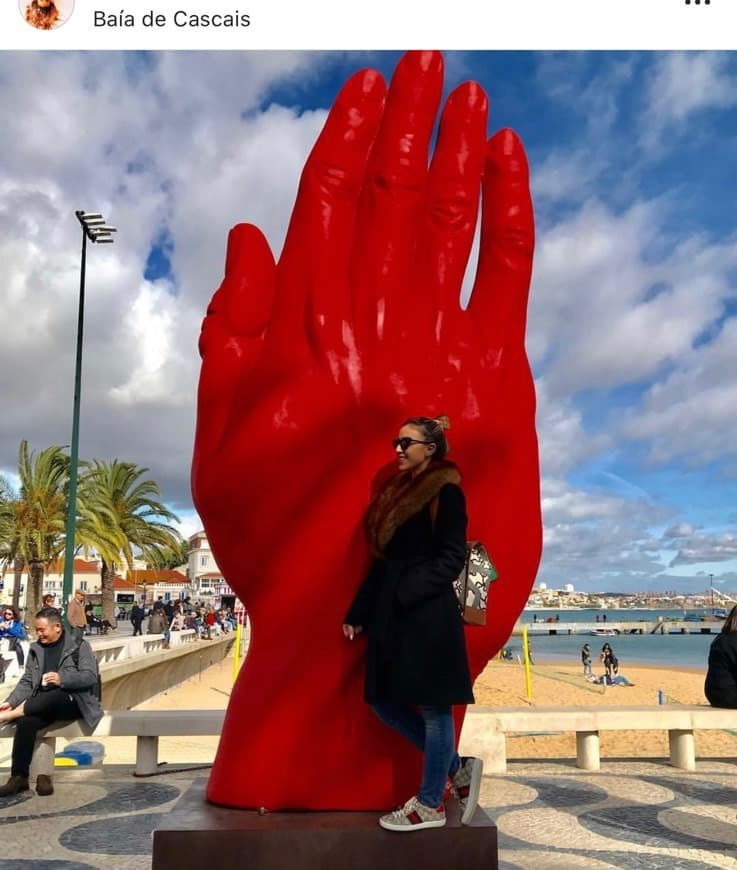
(175, 556)
(120, 513)
(10, 553)
(40, 514)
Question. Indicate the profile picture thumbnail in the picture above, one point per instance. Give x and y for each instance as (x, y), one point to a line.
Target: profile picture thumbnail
(46, 14)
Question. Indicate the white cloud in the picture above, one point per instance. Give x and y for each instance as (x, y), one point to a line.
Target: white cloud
(564, 442)
(697, 549)
(682, 84)
(171, 142)
(590, 534)
(604, 314)
(692, 413)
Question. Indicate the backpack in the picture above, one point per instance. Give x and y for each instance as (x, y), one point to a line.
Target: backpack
(97, 688)
(472, 584)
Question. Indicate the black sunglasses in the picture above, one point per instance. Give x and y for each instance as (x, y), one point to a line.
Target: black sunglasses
(405, 442)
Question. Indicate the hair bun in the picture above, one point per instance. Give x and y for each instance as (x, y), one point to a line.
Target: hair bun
(443, 420)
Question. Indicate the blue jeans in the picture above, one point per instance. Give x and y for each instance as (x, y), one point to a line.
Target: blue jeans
(431, 730)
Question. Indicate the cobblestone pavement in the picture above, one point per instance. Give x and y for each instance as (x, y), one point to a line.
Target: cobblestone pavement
(549, 815)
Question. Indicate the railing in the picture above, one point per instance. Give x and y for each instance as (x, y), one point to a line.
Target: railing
(105, 651)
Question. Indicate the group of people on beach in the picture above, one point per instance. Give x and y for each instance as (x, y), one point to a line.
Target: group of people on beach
(611, 675)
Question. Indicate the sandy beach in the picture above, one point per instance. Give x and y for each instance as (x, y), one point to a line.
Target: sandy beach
(502, 684)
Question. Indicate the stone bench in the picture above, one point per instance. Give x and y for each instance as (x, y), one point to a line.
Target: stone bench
(145, 725)
(485, 729)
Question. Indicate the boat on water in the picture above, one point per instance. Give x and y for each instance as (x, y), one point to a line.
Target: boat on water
(603, 632)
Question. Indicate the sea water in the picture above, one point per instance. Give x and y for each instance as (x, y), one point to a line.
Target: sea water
(667, 650)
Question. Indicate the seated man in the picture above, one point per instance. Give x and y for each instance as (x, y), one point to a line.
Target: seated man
(101, 625)
(156, 622)
(58, 684)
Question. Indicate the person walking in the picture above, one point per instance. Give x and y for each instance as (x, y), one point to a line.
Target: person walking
(416, 661)
(136, 619)
(76, 616)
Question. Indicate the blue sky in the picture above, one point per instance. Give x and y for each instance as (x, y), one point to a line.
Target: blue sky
(632, 329)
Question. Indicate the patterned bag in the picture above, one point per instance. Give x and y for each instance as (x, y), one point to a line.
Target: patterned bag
(472, 584)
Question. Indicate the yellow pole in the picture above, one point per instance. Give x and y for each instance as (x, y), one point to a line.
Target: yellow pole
(526, 650)
(237, 651)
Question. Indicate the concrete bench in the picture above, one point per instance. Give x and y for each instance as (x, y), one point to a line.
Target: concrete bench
(145, 725)
(485, 729)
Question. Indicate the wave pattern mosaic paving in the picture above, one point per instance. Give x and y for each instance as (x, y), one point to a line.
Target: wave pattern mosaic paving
(550, 816)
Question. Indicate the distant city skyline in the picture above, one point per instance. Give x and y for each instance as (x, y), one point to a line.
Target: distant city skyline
(632, 330)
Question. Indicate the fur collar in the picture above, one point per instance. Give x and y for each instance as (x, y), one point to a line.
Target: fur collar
(403, 496)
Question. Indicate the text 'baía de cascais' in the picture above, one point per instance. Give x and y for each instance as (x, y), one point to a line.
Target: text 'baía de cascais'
(180, 18)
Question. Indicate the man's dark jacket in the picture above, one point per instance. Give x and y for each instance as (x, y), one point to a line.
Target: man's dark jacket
(77, 680)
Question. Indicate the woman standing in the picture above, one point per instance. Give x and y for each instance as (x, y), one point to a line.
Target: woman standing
(720, 687)
(416, 665)
(609, 660)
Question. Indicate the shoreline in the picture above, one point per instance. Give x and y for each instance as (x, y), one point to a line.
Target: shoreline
(565, 660)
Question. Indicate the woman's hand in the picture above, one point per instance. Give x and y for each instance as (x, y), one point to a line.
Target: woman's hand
(351, 631)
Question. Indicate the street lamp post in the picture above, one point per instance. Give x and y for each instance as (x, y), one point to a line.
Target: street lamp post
(94, 229)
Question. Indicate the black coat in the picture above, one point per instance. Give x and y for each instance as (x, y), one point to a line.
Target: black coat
(720, 687)
(416, 647)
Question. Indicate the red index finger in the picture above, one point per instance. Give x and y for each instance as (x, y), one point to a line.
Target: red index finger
(313, 269)
(500, 291)
(451, 211)
(394, 190)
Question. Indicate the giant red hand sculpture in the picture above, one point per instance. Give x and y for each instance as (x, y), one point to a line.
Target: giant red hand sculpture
(309, 367)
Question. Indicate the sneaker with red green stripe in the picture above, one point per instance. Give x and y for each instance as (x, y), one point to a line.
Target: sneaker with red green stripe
(467, 785)
(413, 816)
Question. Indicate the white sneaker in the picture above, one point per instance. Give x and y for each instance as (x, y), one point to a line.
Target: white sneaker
(413, 816)
(467, 785)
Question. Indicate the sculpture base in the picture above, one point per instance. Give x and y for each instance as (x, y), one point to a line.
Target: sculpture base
(196, 834)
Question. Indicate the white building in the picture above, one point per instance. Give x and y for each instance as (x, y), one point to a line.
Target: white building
(202, 569)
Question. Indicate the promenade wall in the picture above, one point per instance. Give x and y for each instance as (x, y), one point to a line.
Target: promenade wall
(136, 669)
